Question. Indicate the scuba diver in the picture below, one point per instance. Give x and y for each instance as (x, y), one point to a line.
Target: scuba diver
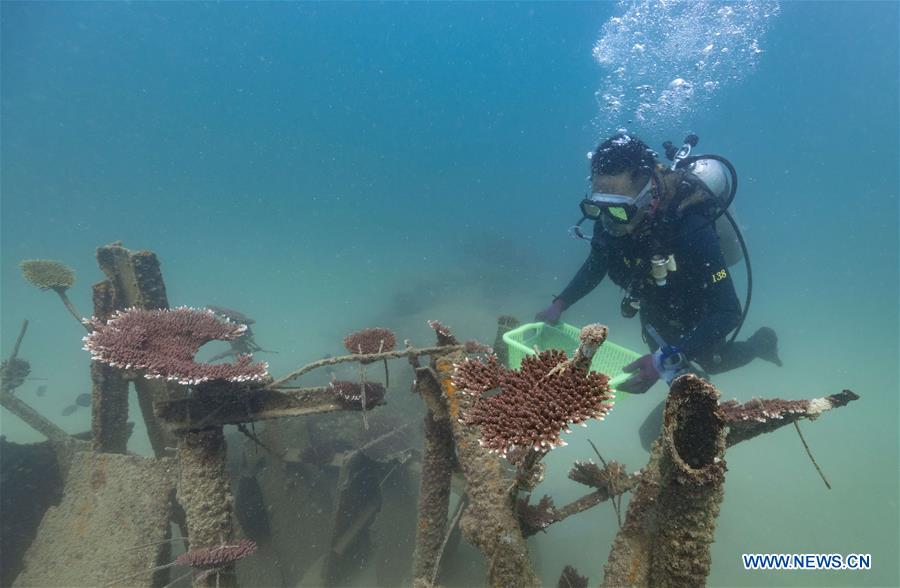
(658, 234)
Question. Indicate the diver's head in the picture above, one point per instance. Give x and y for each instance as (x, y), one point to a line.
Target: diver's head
(622, 183)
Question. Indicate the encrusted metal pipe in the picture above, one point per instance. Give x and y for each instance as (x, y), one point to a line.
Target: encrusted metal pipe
(671, 518)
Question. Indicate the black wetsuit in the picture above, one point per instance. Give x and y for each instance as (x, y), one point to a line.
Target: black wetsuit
(697, 307)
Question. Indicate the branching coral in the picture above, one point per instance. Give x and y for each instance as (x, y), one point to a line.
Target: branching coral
(535, 517)
(571, 579)
(609, 478)
(764, 415)
(444, 334)
(231, 314)
(475, 347)
(762, 410)
(476, 376)
(367, 342)
(446, 337)
(163, 343)
(373, 340)
(536, 403)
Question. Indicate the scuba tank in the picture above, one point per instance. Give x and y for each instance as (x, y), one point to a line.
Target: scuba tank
(719, 178)
(711, 171)
(715, 175)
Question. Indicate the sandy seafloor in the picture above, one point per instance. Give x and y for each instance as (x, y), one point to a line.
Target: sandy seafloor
(311, 204)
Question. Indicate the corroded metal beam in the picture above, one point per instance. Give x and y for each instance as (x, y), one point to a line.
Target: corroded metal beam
(231, 405)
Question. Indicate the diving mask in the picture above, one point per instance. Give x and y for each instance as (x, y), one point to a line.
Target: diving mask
(617, 208)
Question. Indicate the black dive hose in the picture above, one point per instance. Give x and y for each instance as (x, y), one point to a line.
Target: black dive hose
(737, 231)
(746, 309)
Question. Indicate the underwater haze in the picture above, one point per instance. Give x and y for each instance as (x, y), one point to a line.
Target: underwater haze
(324, 167)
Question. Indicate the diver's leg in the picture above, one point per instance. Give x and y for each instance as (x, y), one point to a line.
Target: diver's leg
(762, 344)
(765, 341)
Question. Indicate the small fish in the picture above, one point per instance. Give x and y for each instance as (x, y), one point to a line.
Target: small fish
(69, 409)
(42, 389)
(83, 400)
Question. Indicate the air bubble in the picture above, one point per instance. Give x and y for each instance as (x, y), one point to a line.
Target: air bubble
(646, 56)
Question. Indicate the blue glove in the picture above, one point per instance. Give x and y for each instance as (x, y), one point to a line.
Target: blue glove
(552, 313)
(670, 363)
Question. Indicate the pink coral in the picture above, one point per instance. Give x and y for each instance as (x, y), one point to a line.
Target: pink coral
(571, 579)
(475, 347)
(163, 343)
(373, 340)
(535, 517)
(536, 403)
(762, 410)
(444, 335)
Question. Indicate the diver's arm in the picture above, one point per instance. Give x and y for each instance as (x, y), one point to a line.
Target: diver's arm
(591, 273)
(716, 293)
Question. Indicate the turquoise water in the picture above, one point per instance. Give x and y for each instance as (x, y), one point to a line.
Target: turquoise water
(325, 167)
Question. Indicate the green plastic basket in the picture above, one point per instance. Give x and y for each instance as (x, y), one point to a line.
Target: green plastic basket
(609, 359)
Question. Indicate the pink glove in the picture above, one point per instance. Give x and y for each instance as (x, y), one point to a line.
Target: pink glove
(552, 313)
(645, 371)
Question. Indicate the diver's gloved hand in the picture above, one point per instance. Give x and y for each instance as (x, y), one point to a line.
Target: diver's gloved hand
(649, 368)
(552, 313)
(645, 370)
(671, 365)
